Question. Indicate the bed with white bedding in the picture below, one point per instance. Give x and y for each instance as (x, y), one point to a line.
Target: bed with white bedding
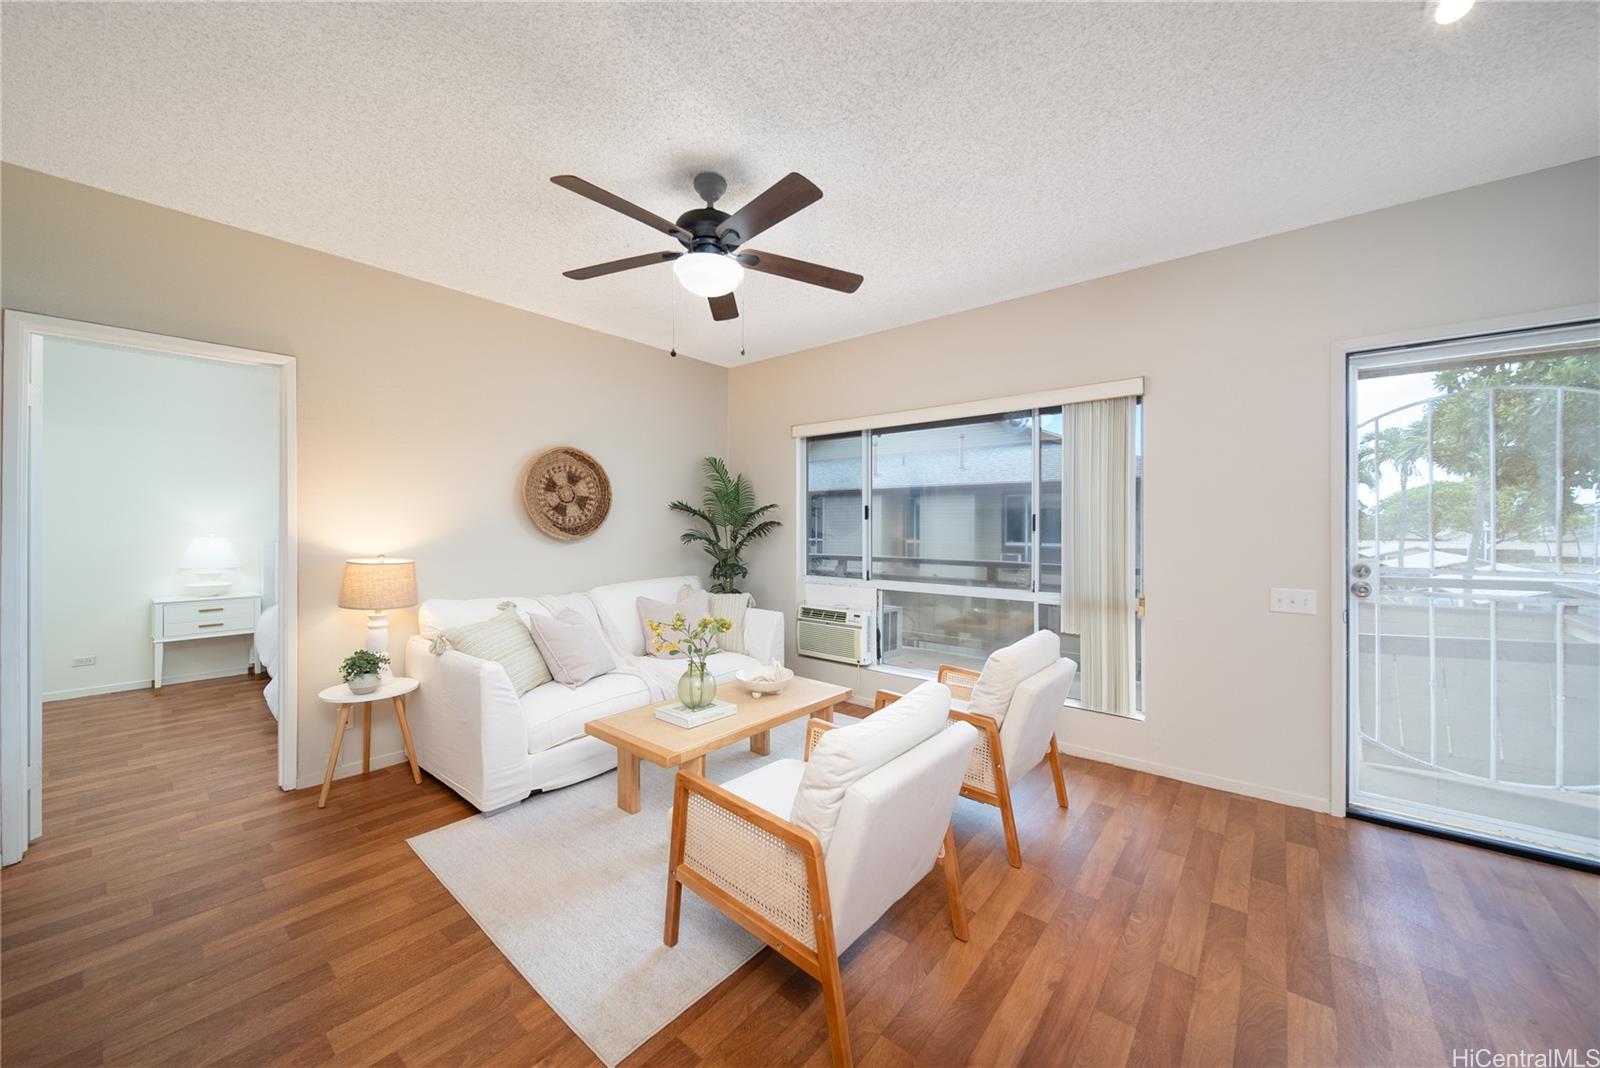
(268, 634)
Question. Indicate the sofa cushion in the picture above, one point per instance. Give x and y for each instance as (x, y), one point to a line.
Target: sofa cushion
(438, 614)
(618, 607)
(723, 666)
(845, 755)
(1005, 668)
(694, 605)
(556, 713)
(574, 650)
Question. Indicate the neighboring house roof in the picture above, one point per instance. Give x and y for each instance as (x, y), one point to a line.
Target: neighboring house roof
(994, 465)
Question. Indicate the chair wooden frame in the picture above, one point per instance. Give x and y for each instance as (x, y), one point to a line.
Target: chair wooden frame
(821, 962)
(960, 680)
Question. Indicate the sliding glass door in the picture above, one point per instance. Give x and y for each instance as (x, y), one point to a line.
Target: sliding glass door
(1474, 586)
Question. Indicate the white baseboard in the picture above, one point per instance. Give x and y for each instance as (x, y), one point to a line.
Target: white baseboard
(353, 766)
(144, 684)
(1199, 778)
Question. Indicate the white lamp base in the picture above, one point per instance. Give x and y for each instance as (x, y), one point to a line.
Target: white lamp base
(208, 585)
(378, 636)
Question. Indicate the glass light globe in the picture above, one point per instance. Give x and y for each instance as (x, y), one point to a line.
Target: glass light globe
(1448, 11)
(708, 274)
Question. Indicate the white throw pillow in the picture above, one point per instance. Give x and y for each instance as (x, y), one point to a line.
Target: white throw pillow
(695, 606)
(1006, 668)
(573, 648)
(845, 755)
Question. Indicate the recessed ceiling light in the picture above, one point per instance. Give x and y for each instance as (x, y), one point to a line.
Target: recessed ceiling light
(1447, 11)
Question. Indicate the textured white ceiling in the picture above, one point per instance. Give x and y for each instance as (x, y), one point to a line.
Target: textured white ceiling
(968, 152)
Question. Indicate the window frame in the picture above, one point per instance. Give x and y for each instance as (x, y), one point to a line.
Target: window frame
(1039, 598)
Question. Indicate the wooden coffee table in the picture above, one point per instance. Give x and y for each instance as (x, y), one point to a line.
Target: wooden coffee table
(638, 735)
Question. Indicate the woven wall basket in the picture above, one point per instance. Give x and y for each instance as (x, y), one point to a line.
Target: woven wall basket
(567, 493)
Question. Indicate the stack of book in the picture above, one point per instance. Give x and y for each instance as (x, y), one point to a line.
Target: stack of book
(676, 714)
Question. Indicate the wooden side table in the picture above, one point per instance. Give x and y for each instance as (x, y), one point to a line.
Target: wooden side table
(393, 689)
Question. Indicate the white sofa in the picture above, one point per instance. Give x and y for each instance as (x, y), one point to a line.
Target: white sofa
(476, 736)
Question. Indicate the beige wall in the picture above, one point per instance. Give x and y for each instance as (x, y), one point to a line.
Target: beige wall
(418, 407)
(1235, 349)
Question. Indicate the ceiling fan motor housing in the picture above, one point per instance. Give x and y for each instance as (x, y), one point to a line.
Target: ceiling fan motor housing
(702, 225)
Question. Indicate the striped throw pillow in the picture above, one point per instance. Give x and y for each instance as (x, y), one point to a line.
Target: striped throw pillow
(504, 639)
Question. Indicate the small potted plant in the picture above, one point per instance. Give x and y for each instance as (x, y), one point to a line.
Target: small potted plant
(361, 670)
(698, 687)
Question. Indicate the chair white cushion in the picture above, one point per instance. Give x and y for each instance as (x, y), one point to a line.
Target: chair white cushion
(618, 606)
(845, 755)
(771, 786)
(555, 713)
(1005, 668)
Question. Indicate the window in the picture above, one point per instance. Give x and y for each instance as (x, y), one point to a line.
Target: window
(973, 541)
(961, 474)
(1015, 518)
(833, 506)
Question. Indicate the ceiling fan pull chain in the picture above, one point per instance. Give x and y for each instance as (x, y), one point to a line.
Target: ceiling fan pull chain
(672, 297)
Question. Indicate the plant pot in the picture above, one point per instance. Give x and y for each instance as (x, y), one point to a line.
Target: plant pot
(363, 683)
(697, 688)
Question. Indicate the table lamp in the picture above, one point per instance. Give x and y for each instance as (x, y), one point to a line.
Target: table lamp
(376, 584)
(208, 558)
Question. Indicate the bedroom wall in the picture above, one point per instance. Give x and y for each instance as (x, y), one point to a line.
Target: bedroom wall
(418, 409)
(127, 485)
(1235, 347)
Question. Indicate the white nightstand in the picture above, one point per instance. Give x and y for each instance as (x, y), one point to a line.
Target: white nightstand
(392, 688)
(187, 619)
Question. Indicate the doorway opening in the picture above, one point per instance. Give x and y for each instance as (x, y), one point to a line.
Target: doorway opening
(148, 555)
(1472, 573)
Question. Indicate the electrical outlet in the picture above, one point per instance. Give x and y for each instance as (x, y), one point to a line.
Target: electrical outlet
(81, 661)
(1296, 602)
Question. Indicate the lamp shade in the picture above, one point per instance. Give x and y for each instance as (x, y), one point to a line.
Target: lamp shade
(209, 553)
(378, 583)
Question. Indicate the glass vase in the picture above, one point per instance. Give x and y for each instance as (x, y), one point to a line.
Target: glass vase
(697, 688)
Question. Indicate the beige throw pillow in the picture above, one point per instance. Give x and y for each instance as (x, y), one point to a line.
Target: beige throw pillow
(694, 604)
(504, 639)
(729, 606)
(572, 646)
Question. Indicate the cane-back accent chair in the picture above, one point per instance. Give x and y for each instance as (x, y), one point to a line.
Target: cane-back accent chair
(736, 847)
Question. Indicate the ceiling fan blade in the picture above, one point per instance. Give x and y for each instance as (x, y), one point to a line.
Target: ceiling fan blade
(621, 265)
(788, 195)
(616, 203)
(801, 271)
(724, 307)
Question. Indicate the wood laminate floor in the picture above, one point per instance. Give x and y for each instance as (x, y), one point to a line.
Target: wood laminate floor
(182, 910)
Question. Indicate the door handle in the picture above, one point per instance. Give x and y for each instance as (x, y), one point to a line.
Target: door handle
(1362, 590)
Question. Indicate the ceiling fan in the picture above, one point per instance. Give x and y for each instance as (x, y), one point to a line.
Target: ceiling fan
(713, 261)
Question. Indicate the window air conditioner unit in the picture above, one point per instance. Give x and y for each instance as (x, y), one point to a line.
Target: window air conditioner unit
(832, 634)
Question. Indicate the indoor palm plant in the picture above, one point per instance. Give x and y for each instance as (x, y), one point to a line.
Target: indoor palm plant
(697, 687)
(732, 522)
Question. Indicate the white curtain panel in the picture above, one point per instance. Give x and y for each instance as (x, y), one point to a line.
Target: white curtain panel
(1097, 597)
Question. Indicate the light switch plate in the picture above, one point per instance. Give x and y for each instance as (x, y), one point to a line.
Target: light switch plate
(1296, 602)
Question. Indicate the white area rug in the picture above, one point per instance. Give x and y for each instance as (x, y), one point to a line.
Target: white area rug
(573, 892)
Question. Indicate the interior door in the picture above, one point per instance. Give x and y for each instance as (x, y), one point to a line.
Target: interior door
(1473, 584)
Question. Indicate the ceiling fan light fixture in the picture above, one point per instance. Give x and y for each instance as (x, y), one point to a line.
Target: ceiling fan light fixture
(1447, 11)
(708, 274)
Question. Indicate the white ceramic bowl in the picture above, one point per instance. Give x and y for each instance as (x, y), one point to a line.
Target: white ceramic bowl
(758, 687)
